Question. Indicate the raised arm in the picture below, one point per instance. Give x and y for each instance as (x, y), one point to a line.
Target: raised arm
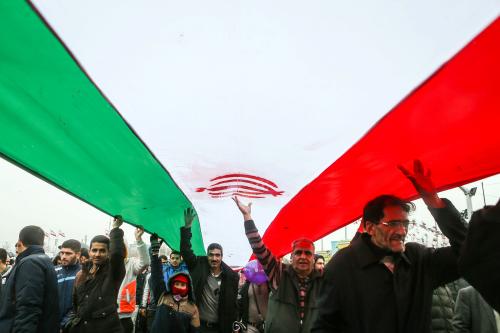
(157, 283)
(142, 249)
(117, 250)
(186, 250)
(442, 261)
(271, 265)
(445, 214)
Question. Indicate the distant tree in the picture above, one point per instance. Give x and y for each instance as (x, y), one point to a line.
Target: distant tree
(6, 245)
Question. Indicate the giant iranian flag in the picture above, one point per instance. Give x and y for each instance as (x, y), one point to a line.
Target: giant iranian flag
(144, 108)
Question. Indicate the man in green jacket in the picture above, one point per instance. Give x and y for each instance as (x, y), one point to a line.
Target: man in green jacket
(294, 288)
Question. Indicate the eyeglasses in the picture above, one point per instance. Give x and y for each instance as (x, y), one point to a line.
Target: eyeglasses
(300, 252)
(396, 224)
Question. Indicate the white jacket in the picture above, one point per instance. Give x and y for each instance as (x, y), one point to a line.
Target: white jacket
(133, 266)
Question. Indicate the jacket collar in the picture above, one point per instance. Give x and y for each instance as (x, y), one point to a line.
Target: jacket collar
(295, 278)
(368, 253)
(7, 271)
(74, 267)
(33, 249)
(225, 270)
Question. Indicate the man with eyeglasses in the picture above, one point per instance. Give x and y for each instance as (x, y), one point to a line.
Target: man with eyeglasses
(295, 288)
(381, 284)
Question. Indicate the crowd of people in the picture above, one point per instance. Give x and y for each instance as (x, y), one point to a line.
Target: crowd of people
(379, 283)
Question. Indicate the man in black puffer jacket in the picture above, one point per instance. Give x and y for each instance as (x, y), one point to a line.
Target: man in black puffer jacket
(30, 302)
(443, 308)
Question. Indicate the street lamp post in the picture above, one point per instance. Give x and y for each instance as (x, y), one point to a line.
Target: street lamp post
(468, 196)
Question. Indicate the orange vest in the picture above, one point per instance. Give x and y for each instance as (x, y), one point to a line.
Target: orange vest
(127, 298)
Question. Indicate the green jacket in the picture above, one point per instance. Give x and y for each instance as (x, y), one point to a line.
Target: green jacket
(282, 312)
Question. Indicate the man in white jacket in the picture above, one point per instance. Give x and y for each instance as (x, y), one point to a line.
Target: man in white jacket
(126, 295)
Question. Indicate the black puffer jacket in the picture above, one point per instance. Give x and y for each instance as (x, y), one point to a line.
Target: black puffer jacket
(442, 310)
(94, 299)
(200, 269)
(30, 302)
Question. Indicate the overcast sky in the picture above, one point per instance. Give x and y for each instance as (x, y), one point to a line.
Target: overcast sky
(29, 200)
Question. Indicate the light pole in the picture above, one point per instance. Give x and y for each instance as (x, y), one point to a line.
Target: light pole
(468, 196)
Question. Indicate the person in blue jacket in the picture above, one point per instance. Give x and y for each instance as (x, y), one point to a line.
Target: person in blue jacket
(175, 265)
(66, 274)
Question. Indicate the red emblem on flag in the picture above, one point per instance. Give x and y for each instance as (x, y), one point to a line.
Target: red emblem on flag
(239, 184)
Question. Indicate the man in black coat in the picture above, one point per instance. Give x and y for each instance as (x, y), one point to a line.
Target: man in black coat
(480, 259)
(30, 302)
(215, 283)
(97, 285)
(381, 284)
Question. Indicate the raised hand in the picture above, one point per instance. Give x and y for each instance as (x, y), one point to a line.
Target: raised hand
(117, 221)
(422, 182)
(155, 244)
(139, 231)
(189, 216)
(246, 210)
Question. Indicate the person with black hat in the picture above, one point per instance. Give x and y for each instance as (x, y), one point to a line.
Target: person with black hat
(176, 310)
(66, 273)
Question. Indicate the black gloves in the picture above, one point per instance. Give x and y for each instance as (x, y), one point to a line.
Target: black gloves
(155, 244)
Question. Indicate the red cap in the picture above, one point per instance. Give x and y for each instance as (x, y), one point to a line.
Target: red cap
(180, 278)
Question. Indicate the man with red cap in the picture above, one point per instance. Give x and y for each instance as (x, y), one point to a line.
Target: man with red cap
(176, 311)
(294, 288)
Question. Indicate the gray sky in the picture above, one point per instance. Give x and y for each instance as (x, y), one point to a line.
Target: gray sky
(29, 200)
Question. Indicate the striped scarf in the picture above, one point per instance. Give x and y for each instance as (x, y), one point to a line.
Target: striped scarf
(303, 286)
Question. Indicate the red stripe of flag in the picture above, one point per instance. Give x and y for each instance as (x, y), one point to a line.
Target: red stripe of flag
(450, 122)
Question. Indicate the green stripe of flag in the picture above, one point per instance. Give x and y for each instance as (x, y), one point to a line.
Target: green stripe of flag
(56, 124)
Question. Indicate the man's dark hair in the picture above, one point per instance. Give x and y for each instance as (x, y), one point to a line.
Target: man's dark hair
(374, 209)
(3, 256)
(100, 239)
(31, 235)
(214, 246)
(163, 257)
(317, 257)
(176, 252)
(55, 260)
(84, 253)
(72, 244)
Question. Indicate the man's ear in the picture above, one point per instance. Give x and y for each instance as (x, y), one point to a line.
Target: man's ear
(369, 227)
